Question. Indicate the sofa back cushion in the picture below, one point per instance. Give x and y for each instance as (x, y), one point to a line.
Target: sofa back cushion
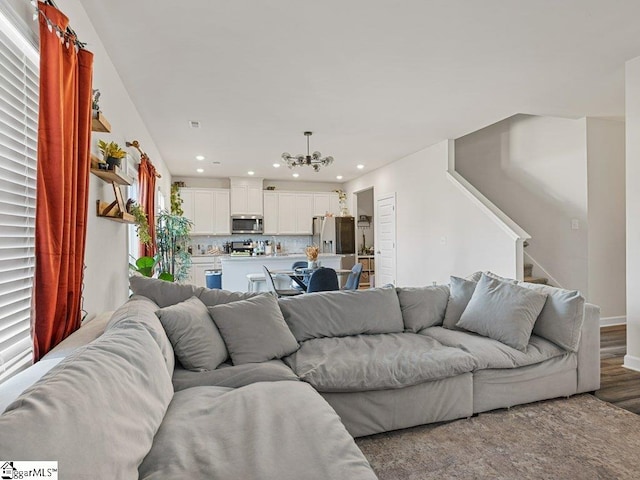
(422, 307)
(342, 313)
(161, 292)
(97, 412)
(562, 316)
(193, 335)
(214, 296)
(140, 310)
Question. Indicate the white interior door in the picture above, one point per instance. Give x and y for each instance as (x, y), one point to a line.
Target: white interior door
(385, 224)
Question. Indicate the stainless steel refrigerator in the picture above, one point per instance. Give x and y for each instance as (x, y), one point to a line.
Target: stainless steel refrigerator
(335, 234)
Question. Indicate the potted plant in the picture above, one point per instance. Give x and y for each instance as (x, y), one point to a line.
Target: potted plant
(342, 199)
(111, 153)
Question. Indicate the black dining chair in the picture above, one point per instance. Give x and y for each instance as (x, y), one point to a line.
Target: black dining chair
(271, 285)
(299, 282)
(353, 280)
(323, 280)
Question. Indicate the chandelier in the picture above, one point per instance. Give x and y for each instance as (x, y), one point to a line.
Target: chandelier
(314, 160)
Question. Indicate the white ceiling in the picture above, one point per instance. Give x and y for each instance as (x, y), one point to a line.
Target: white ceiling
(374, 80)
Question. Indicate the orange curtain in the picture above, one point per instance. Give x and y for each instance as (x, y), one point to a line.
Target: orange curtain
(147, 198)
(64, 137)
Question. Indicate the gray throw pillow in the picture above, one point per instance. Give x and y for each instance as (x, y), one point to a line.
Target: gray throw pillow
(561, 318)
(195, 338)
(460, 292)
(422, 307)
(254, 329)
(503, 312)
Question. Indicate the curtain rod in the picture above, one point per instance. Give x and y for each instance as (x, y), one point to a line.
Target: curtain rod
(69, 32)
(135, 144)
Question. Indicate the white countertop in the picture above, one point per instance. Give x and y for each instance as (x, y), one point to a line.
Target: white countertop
(286, 256)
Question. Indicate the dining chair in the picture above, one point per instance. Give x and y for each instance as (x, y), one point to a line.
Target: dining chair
(271, 285)
(299, 283)
(323, 280)
(353, 280)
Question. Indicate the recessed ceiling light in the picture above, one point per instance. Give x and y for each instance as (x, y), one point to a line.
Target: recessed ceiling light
(200, 170)
(200, 157)
(251, 172)
(339, 177)
(296, 175)
(276, 165)
(360, 166)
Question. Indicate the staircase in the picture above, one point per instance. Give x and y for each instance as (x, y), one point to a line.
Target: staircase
(528, 275)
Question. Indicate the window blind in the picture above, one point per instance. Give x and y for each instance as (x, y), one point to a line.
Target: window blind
(18, 143)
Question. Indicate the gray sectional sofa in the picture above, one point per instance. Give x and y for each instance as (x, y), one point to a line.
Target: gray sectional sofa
(187, 382)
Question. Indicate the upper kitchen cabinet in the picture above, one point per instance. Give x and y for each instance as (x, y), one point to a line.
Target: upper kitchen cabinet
(246, 196)
(325, 202)
(288, 213)
(208, 209)
(270, 222)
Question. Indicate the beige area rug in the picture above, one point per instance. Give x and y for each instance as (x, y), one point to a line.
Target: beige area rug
(576, 438)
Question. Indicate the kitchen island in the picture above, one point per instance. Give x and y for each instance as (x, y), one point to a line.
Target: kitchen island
(235, 269)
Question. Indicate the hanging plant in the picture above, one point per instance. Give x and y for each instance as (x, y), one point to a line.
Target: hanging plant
(172, 240)
(176, 200)
(141, 222)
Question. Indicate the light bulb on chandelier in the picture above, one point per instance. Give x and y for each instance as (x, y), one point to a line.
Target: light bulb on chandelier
(313, 160)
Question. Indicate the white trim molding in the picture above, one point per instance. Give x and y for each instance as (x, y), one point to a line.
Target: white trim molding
(632, 363)
(610, 321)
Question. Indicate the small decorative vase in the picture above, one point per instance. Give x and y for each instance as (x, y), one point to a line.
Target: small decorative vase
(312, 264)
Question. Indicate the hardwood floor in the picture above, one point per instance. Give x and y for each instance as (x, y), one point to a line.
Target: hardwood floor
(618, 385)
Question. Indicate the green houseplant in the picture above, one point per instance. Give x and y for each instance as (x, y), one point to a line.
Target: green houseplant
(112, 153)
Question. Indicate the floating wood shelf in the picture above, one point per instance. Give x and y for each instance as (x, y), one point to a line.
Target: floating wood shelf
(99, 123)
(114, 175)
(111, 211)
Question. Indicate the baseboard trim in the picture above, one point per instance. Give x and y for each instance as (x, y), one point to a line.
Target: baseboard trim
(611, 321)
(632, 363)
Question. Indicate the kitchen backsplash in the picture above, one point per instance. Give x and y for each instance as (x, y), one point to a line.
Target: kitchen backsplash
(289, 243)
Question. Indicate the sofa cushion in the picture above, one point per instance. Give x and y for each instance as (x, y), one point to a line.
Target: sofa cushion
(163, 293)
(214, 296)
(277, 430)
(139, 310)
(96, 412)
(195, 338)
(489, 353)
(338, 314)
(561, 317)
(460, 292)
(254, 329)
(376, 362)
(233, 376)
(502, 311)
(422, 307)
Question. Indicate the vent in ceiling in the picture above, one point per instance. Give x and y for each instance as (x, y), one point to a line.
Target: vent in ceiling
(194, 124)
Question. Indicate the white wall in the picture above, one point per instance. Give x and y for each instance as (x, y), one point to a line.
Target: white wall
(430, 209)
(534, 169)
(606, 217)
(106, 283)
(632, 165)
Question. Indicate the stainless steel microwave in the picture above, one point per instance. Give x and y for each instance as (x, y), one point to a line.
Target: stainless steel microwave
(246, 224)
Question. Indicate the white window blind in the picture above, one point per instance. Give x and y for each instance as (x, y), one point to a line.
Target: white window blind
(18, 141)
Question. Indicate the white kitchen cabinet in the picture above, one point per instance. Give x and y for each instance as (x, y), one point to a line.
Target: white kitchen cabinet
(321, 204)
(246, 196)
(304, 213)
(222, 216)
(287, 213)
(270, 221)
(208, 209)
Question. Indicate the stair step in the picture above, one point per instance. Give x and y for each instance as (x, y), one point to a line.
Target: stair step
(540, 280)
